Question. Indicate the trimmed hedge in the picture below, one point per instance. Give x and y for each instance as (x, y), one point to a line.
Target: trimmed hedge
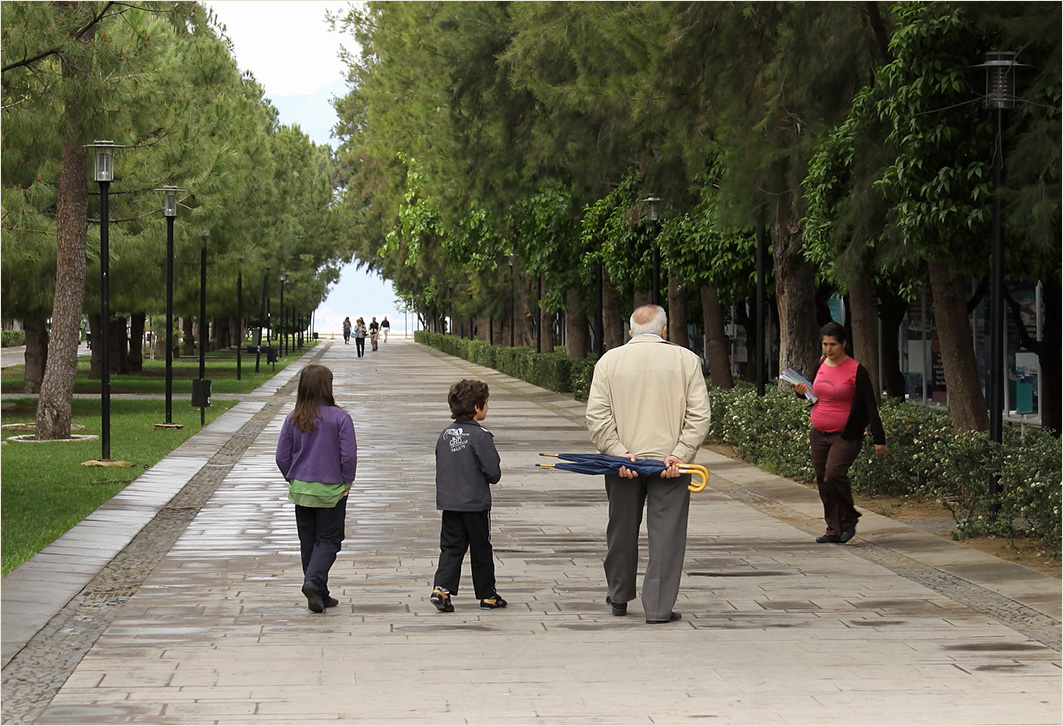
(554, 371)
(11, 338)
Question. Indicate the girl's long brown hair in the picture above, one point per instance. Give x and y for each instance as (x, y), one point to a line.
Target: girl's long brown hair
(315, 390)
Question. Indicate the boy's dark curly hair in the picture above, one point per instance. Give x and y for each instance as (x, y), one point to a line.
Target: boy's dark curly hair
(465, 397)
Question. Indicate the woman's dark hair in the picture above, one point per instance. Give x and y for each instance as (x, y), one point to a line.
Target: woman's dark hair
(315, 390)
(836, 331)
(465, 397)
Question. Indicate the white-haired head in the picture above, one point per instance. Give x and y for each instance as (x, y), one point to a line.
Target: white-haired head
(648, 319)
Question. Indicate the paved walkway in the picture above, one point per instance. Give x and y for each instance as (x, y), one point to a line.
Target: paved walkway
(199, 619)
(15, 355)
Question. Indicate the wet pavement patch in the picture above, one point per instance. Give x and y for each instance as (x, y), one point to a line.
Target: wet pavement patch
(743, 573)
(877, 623)
(993, 647)
(442, 627)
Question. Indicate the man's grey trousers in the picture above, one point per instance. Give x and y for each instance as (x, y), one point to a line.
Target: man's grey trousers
(667, 504)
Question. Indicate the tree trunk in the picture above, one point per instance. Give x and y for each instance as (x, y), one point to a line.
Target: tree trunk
(640, 298)
(865, 328)
(716, 353)
(36, 354)
(1050, 357)
(744, 316)
(677, 313)
(795, 295)
(967, 405)
(612, 314)
(136, 342)
(96, 359)
(525, 328)
(546, 325)
(119, 344)
(892, 309)
(188, 336)
(576, 331)
(221, 333)
(71, 223)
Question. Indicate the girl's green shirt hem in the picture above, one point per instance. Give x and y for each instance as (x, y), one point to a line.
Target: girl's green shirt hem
(316, 494)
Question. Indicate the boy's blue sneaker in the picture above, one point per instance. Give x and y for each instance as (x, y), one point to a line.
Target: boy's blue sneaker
(495, 601)
(441, 599)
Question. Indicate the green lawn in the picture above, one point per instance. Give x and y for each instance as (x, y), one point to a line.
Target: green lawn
(44, 489)
(220, 369)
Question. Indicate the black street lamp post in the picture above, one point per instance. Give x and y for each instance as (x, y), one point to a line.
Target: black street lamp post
(1000, 97)
(104, 175)
(239, 317)
(283, 330)
(262, 320)
(512, 302)
(656, 222)
(759, 310)
(599, 316)
(169, 210)
(201, 391)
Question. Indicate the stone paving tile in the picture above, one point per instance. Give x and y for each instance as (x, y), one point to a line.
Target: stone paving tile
(776, 629)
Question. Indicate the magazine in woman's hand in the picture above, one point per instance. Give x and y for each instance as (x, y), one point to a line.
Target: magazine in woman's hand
(793, 377)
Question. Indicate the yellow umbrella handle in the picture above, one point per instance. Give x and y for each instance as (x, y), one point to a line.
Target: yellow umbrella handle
(699, 476)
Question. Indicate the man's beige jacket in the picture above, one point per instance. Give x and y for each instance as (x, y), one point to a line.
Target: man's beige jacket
(648, 398)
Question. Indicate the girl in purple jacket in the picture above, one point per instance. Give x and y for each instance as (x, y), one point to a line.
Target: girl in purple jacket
(317, 454)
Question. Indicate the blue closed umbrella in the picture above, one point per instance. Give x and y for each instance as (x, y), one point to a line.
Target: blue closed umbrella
(606, 464)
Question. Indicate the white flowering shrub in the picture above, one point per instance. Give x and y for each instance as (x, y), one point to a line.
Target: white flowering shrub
(925, 457)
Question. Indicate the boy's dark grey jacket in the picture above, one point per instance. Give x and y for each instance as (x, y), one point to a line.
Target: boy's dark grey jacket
(466, 464)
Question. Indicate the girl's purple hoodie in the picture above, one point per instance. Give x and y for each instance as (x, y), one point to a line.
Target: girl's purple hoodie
(328, 455)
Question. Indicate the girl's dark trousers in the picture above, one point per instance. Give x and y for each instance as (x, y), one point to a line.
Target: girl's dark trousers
(462, 531)
(320, 535)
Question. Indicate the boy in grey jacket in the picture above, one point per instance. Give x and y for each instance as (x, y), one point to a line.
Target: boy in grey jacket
(467, 464)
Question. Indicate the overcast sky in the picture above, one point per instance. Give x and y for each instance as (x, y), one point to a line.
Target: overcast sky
(287, 46)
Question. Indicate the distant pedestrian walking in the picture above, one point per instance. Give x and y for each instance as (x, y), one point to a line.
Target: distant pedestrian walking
(374, 331)
(385, 328)
(347, 331)
(467, 464)
(359, 336)
(317, 454)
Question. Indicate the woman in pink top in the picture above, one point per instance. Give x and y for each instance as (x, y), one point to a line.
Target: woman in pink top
(845, 405)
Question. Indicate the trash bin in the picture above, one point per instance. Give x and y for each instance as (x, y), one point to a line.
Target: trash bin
(200, 393)
(271, 355)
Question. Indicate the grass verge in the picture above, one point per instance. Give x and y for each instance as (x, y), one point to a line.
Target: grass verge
(219, 368)
(45, 490)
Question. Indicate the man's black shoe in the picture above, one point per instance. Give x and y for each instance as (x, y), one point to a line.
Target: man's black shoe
(847, 534)
(829, 539)
(313, 600)
(671, 619)
(618, 608)
(331, 602)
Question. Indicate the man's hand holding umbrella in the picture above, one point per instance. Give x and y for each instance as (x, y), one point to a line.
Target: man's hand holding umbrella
(671, 468)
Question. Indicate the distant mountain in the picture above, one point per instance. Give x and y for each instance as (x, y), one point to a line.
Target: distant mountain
(312, 113)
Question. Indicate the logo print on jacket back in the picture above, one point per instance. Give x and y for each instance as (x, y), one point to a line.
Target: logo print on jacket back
(457, 437)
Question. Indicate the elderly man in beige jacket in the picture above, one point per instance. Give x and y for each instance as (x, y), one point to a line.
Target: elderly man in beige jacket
(648, 400)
